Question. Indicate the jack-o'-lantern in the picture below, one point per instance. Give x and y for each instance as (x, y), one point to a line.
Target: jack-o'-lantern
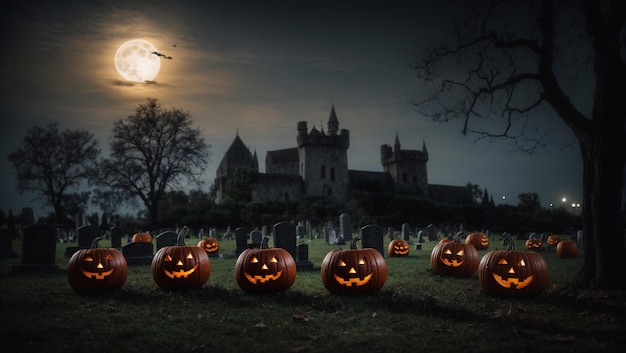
(566, 249)
(97, 269)
(353, 271)
(478, 239)
(454, 258)
(534, 244)
(513, 273)
(398, 248)
(553, 240)
(210, 245)
(265, 269)
(181, 266)
(142, 237)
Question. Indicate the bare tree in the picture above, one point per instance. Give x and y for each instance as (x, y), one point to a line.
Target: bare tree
(520, 63)
(151, 151)
(51, 163)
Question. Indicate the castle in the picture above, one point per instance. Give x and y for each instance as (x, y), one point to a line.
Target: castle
(319, 166)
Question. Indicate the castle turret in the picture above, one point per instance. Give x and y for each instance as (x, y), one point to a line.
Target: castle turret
(333, 123)
(406, 167)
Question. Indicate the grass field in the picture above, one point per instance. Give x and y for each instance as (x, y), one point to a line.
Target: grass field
(415, 311)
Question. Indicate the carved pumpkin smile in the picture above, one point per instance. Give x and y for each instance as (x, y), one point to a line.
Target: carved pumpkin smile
(455, 260)
(401, 249)
(181, 273)
(97, 275)
(263, 278)
(265, 269)
(352, 277)
(512, 282)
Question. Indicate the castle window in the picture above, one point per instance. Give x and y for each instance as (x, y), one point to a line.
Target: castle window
(323, 172)
(332, 173)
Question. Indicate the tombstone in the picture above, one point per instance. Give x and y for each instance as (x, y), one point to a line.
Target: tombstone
(228, 235)
(432, 233)
(167, 238)
(241, 240)
(6, 244)
(345, 226)
(406, 231)
(138, 253)
(308, 229)
(27, 217)
(213, 233)
(329, 233)
(300, 231)
(85, 236)
(265, 230)
(579, 239)
(372, 237)
(285, 237)
(256, 238)
(116, 237)
(390, 232)
(39, 242)
(302, 258)
(420, 240)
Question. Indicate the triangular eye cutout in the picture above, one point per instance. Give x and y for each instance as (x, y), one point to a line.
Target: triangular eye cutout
(447, 252)
(168, 257)
(88, 258)
(189, 256)
(460, 253)
(342, 264)
(503, 262)
(273, 259)
(522, 262)
(109, 257)
(254, 260)
(362, 261)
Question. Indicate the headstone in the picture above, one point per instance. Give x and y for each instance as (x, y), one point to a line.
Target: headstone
(265, 230)
(6, 244)
(372, 237)
(213, 233)
(116, 237)
(256, 237)
(432, 233)
(86, 235)
(345, 226)
(420, 237)
(228, 235)
(308, 230)
(329, 231)
(285, 237)
(302, 258)
(138, 253)
(406, 231)
(39, 243)
(579, 239)
(241, 240)
(27, 217)
(300, 231)
(166, 238)
(390, 232)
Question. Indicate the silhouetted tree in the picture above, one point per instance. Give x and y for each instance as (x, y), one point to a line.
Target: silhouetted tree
(529, 202)
(522, 61)
(51, 163)
(151, 151)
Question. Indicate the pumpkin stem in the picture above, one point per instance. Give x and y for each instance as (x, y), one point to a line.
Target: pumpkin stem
(353, 243)
(510, 243)
(94, 243)
(182, 233)
(265, 242)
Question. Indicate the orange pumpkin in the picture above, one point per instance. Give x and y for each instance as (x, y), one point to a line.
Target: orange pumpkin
(566, 249)
(97, 268)
(534, 244)
(142, 237)
(398, 248)
(264, 269)
(210, 245)
(479, 240)
(454, 258)
(513, 273)
(353, 271)
(181, 266)
(553, 240)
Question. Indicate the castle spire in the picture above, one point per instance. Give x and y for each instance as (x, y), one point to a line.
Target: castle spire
(333, 122)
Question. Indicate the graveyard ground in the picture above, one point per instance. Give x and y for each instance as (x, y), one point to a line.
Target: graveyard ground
(415, 311)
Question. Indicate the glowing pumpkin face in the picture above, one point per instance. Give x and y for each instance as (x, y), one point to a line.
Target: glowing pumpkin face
(210, 245)
(354, 271)
(265, 269)
(398, 247)
(553, 240)
(513, 273)
(180, 266)
(97, 268)
(534, 244)
(479, 240)
(456, 259)
(143, 237)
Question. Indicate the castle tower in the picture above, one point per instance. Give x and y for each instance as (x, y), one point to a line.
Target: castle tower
(406, 167)
(324, 159)
(237, 156)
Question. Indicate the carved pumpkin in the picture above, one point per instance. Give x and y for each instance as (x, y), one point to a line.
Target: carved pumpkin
(97, 268)
(144, 237)
(454, 258)
(566, 249)
(210, 245)
(353, 271)
(181, 266)
(534, 244)
(398, 248)
(479, 240)
(265, 269)
(553, 240)
(513, 273)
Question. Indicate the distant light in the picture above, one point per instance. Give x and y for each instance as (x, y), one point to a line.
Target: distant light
(550, 204)
(564, 199)
(503, 197)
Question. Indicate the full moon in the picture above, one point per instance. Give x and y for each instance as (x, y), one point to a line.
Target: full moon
(135, 62)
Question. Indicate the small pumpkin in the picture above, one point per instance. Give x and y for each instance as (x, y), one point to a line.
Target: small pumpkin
(142, 237)
(478, 239)
(398, 248)
(181, 266)
(513, 273)
(353, 271)
(454, 258)
(210, 245)
(553, 240)
(265, 269)
(96, 269)
(534, 244)
(566, 249)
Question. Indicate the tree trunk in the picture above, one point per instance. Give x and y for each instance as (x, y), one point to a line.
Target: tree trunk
(603, 227)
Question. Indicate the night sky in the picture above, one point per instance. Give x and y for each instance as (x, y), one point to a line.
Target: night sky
(257, 68)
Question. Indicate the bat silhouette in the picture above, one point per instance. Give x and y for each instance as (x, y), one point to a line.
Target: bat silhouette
(164, 56)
